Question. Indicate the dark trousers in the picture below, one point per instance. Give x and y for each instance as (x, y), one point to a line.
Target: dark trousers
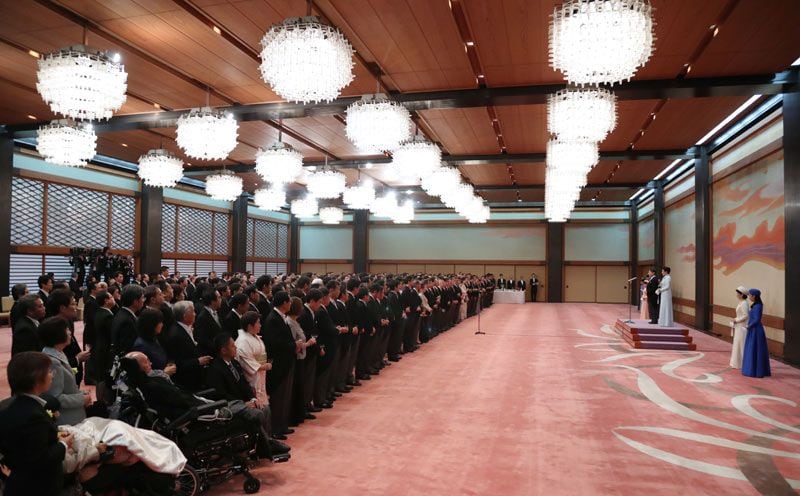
(364, 349)
(322, 388)
(534, 289)
(309, 377)
(411, 332)
(352, 357)
(297, 411)
(396, 338)
(280, 401)
(652, 307)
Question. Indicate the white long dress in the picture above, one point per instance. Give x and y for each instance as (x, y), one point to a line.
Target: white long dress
(739, 333)
(251, 353)
(665, 309)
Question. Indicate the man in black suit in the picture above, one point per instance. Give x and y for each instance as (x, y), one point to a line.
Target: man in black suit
(224, 309)
(29, 439)
(25, 335)
(534, 286)
(45, 283)
(207, 325)
(520, 285)
(398, 319)
(305, 371)
(411, 303)
(328, 341)
(282, 348)
(352, 310)
(501, 282)
(367, 321)
(338, 312)
(89, 309)
(240, 304)
(652, 296)
(75, 286)
(263, 287)
(101, 358)
(123, 328)
(182, 349)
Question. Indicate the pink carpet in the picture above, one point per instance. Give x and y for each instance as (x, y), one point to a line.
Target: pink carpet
(550, 401)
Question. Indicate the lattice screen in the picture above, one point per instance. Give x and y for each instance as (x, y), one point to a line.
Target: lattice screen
(27, 211)
(250, 230)
(194, 230)
(221, 223)
(25, 269)
(266, 234)
(283, 241)
(76, 216)
(168, 216)
(123, 221)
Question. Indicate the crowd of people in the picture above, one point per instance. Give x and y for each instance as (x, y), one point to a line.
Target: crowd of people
(283, 348)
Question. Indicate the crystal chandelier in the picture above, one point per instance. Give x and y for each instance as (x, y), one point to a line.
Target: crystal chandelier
(279, 164)
(359, 197)
(331, 215)
(479, 216)
(572, 155)
(441, 180)
(207, 134)
(271, 198)
(415, 159)
(384, 206)
(82, 84)
(458, 196)
(64, 142)
(593, 41)
(404, 213)
(326, 183)
(582, 114)
(225, 186)
(376, 124)
(305, 207)
(306, 61)
(160, 169)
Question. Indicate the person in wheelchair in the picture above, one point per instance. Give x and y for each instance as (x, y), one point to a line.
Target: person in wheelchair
(172, 402)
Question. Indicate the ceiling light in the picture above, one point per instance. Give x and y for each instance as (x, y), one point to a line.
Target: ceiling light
(207, 134)
(470, 43)
(33, 53)
(216, 29)
(224, 186)
(326, 183)
(572, 155)
(404, 213)
(32, 117)
(416, 158)
(441, 180)
(81, 84)
(331, 215)
(64, 142)
(376, 124)
(305, 207)
(359, 197)
(124, 145)
(384, 206)
(582, 114)
(160, 169)
(271, 198)
(306, 61)
(368, 165)
(279, 164)
(728, 119)
(593, 42)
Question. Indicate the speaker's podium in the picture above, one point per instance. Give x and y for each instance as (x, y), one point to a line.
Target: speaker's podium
(642, 334)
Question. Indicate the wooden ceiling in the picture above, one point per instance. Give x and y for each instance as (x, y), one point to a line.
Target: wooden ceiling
(175, 60)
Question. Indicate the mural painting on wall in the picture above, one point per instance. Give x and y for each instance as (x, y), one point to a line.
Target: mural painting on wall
(748, 246)
(679, 247)
(647, 240)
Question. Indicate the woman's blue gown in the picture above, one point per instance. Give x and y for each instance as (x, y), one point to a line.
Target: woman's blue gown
(755, 361)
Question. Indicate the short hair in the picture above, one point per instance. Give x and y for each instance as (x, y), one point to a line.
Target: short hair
(392, 284)
(163, 268)
(102, 296)
(375, 288)
(162, 284)
(117, 273)
(235, 286)
(263, 281)
(303, 281)
(297, 306)
(277, 287)
(323, 291)
(249, 290)
(130, 293)
(177, 290)
(42, 280)
(53, 331)
(362, 292)
(332, 284)
(667, 270)
(150, 293)
(180, 308)
(239, 299)
(18, 291)
(221, 340)
(59, 298)
(28, 302)
(314, 295)
(209, 296)
(146, 324)
(353, 284)
(280, 298)
(27, 369)
(249, 318)
(221, 287)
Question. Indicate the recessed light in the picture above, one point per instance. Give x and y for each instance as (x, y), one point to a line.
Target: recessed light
(216, 29)
(125, 145)
(116, 57)
(408, 191)
(480, 76)
(32, 117)
(368, 165)
(33, 53)
(470, 43)
(156, 105)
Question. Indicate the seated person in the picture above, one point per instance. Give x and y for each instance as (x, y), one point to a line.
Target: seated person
(149, 326)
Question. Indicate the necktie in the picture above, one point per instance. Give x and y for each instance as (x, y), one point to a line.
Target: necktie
(216, 317)
(233, 371)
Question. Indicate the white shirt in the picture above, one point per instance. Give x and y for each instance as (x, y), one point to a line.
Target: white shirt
(188, 330)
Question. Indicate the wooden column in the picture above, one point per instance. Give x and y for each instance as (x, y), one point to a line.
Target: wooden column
(791, 185)
(702, 235)
(360, 236)
(6, 174)
(294, 245)
(658, 225)
(152, 229)
(634, 254)
(555, 262)
(239, 235)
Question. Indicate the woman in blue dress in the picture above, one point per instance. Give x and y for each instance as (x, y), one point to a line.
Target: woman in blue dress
(755, 361)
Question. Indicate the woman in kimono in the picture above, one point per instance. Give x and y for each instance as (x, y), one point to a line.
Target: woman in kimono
(739, 327)
(665, 292)
(252, 356)
(755, 360)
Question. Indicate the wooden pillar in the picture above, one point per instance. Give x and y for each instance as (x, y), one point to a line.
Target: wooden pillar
(702, 234)
(555, 262)
(360, 236)
(6, 175)
(239, 235)
(658, 225)
(791, 185)
(294, 245)
(634, 254)
(152, 229)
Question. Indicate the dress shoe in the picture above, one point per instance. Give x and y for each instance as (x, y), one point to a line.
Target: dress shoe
(288, 431)
(357, 383)
(310, 416)
(337, 395)
(365, 377)
(345, 389)
(394, 359)
(278, 448)
(314, 409)
(327, 405)
(279, 437)
(386, 363)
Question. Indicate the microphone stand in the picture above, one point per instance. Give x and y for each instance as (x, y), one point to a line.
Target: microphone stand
(630, 307)
(479, 322)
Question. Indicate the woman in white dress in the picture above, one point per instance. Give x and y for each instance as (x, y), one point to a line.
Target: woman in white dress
(739, 327)
(462, 310)
(252, 356)
(665, 291)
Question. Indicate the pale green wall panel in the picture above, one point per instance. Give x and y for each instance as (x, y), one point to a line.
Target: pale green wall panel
(598, 243)
(88, 176)
(326, 242)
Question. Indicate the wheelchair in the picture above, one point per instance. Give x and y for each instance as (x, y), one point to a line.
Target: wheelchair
(217, 445)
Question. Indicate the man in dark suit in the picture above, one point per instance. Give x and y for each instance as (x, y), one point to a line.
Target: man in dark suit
(182, 349)
(520, 285)
(338, 313)
(351, 308)
(45, 283)
(263, 285)
(25, 335)
(75, 286)
(652, 296)
(411, 303)
(534, 282)
(501, 282)
(282, 348)
(89, 309)
(239, 305)
(306, 369)
(224, 291)
(328, 341)
(207, 325)
(29, 439)
(398, 319)
(123, 328)
(101, 358)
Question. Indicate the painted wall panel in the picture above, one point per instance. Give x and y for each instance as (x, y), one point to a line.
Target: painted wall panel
(679, 247)
(646, 248)
(457, 243)
(752, 141)
(326, 242)
(601, 242)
